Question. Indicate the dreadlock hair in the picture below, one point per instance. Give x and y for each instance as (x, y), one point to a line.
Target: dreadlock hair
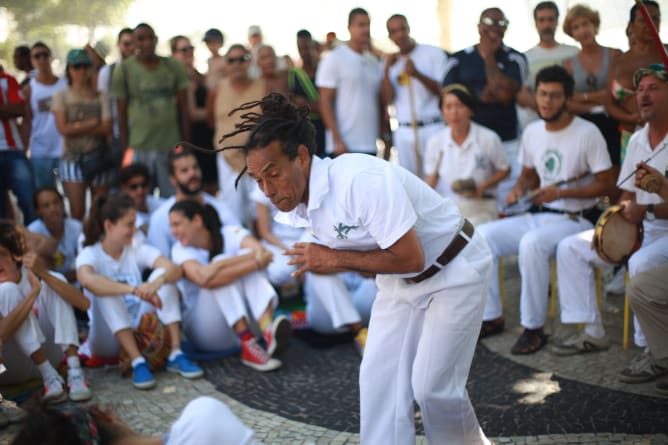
(189, 208)
(104, 208)
(277, 120)
(12, 239)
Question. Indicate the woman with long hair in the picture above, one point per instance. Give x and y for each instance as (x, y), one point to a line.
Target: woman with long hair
(110, 269)
(224, 269)
(83, 117)
(37, 323)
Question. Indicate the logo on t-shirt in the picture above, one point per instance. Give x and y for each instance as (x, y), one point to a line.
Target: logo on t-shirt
(342, 230)
(551, 165)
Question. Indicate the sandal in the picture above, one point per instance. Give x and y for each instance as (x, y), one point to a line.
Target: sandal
(491, 327)
(529, 342)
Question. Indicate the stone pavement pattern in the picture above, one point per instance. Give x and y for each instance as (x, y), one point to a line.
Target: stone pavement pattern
(152, 412)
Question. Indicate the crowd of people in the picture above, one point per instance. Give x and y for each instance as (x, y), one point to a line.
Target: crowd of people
(211, 193)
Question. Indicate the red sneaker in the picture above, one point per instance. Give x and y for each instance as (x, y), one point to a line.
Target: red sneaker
(254, 356)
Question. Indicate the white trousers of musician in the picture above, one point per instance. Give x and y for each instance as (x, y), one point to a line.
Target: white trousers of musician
(333, 302)
(534, 238)
(404, 142)
(420, 345)
(53, 327)
(209, 319)
(110, 314)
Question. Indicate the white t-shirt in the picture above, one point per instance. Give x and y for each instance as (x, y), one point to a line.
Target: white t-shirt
(430, 61)
(46, 291)
(67, 246)
(159, 233)
(639, 150)
(232, 238)
(568, 153)
(478, 158)
(45, 139)
(363, 203)
(356, 78)
(152, 204)
(127, 269)
(287, 234)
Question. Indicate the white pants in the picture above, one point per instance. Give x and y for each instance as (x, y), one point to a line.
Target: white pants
(279, 271)
(237, 199)
(534, 236)
(404, 142)
(110, 314)
(53, 328)
(512, 149)
(207, 421)
(335, 301)
(210, 317)
(419, 347)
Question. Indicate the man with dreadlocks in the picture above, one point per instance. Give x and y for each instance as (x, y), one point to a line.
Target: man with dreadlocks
(432, 269)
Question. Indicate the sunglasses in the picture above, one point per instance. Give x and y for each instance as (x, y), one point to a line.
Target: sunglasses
(240, 59)
(185, 49)
(137, 185)
(41, 55)
(78, 67)
(491, 22)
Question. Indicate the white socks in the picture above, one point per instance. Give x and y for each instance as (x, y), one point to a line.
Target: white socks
(73, 362)
(137, 361)
(174, 354)
(48, 372)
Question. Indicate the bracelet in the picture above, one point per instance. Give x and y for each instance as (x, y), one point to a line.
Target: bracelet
(134, 290)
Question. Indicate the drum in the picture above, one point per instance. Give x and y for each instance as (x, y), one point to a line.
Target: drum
(615, 239)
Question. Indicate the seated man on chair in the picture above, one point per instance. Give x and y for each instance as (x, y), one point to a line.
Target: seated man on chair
(559, 148)
(576, 259)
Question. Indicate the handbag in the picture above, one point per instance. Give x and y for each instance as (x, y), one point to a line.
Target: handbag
(153, 341)
(95, 162)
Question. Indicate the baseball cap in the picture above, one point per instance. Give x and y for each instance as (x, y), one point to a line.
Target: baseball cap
(655, 69)
(254, 30)
(213, 34)
(78, 57)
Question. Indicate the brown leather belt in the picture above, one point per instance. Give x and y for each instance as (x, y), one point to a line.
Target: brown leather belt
(448, 254)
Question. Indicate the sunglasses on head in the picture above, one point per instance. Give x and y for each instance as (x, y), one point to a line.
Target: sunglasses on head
(240, 59)
(491, 22)
(138, 185)
(185, 49)
(41, 54)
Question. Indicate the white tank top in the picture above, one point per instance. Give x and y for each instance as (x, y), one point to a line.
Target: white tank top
(45, 140)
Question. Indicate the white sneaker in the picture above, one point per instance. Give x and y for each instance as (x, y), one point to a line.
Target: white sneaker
(76, 382)
(617, 285)
(54, 390)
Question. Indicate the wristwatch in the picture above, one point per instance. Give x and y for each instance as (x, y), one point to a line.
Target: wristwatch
(649, 215)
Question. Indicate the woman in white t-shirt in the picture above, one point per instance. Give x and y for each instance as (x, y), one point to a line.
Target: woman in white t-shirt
(110, 269)
(54, 223)
(224, 269)
(465, 161)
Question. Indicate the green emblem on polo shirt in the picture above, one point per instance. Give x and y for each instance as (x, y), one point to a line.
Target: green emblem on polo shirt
(342, 230)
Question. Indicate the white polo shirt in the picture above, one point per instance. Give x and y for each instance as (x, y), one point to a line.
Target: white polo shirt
(159, 234)
(363, 203)
(573, 151)
(356, 78)
(478, 158)
(430, 61)
(640, 150)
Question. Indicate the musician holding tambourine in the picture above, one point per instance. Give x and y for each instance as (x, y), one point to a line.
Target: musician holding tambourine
(635, 232)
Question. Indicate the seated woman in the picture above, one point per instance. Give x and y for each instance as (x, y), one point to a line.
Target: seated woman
(54, 223)
(467, 155)
(37, 321)
(334, 303)
(110, 269)
(204, 421)
(224, 270)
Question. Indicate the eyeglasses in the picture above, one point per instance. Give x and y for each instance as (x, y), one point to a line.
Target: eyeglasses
(137, 185)
(185, 49)
(240, 59)
(78, 67)
(491, 22)
(591, 82)
(41, 54)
